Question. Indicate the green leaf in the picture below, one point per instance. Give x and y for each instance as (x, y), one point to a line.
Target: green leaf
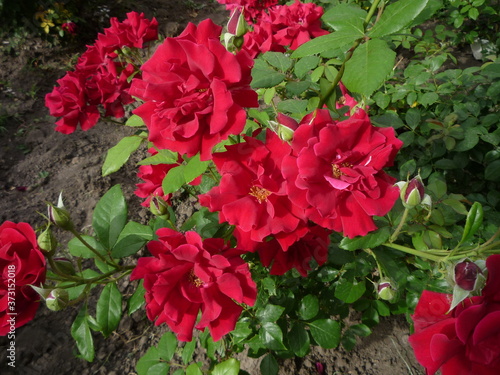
(187, 351)
(272, 336)
(80, 331)
(299, 341)
(456, 205)
(348, 17)
(136, 301)
(361, 330)
(148, 360)
(78, 249)
(263, 76)
(330, 42)
(397, 16)
(305, 65)
(308, 307)
(350, 290)
(369, 241)
(368, 67)
(473, 222)
(270, 313)
(193, 369)
(228, 367)
(159, 369)
(269, 365)
(292, 106)
(118, 155)
(76, 291)
(278, 60)
(135, 121)
(132, 238)
(110, 216)
(162, 157)
(326, 332)
(183, 174)
(109, 309)
(167, 346)
(492, 171)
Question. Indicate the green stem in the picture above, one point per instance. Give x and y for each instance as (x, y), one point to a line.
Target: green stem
(98, 279)
(87, 245)
(356, 44)
(58, 272)
(400, 226)
(409, 250)
(497, 233)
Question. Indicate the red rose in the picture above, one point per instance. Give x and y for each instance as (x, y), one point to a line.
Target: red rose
(465, 341)
(21, 264)
(69, 101)
(187, 275)
(253, 9)
(314, 245)
(285, 26)
(252, 191)
(335, 171)
(131, 32)
(69, 27)
(194, 91)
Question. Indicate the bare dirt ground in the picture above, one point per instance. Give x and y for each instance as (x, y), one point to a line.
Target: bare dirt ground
(37, 163)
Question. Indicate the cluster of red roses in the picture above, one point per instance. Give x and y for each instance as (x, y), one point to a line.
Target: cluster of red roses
(284, 199)
(100, 78)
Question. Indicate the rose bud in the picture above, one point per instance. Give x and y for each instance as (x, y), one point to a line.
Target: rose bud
(158, 206)
(60, 216)
(466, 275)
(57, 299)
(46, 241)
(65, 266)
(237, 25)
(385, 290)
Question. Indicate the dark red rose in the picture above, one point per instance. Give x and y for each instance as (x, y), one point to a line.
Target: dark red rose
(285, 26)
(134, 31)
(21, 264)
(465, 341)
(252, 191)
(194, 91)
(465, 274)
(336, 171)
(68, 100)
(69, 27)
(187, 275)
(313, 245)
(253, 9)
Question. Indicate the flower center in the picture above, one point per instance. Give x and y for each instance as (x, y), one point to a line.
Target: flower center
(260, 193)
(336, 169)
(195, 280)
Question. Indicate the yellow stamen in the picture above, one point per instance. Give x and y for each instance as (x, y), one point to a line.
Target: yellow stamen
(260, 193)
(195, 280)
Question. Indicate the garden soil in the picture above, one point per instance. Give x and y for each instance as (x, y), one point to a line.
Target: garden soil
(37, 164)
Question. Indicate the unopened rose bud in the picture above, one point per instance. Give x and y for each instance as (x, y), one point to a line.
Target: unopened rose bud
(284, 126)
(60, 216)
(158, 206)
(57, 300)
(467, 274)
(385, 290)
(46, 241)
(65, 266)
(237, 25)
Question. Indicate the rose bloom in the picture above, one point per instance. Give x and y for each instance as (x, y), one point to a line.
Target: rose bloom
(134, 31)
(194, 91)
(313, 245)
(285, 26)
(252, 9)
(252, 191)
(21, 264)
(336, 171)
(465, 341)
(69, 101)
(187, 275)
(69, 27)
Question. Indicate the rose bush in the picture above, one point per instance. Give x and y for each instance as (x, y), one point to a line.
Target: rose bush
(22, 264)
(465, 340)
